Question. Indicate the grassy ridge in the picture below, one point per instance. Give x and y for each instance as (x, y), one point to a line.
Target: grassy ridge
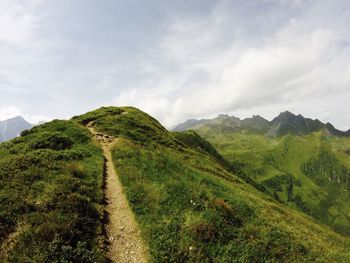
(191, 208)
(51, 195)
(188, 203)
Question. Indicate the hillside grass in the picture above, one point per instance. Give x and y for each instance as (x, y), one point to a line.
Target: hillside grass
(281, 166)
(193, 211)
(51, 196)
(192, 208)
(190, 205)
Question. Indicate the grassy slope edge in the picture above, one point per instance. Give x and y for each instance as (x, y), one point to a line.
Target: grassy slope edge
(192, 209)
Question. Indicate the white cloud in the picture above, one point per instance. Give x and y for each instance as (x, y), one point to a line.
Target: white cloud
(257, 56)
(151, 103)
(17, 22)
(11, 111)
(299, 66)
(36, 119)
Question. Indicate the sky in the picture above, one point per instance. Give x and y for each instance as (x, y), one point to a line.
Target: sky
(176, 59)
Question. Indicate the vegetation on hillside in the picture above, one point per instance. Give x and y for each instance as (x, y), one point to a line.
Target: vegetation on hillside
(310, 173)
(191, 208)
(189, 204)
(51, 196)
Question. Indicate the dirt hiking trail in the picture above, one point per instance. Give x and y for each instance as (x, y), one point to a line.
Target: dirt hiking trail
(125, 242)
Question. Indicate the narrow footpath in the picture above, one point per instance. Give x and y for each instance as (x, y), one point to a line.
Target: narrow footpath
(125, 242)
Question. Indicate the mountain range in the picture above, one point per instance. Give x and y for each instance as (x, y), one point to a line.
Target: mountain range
(286, 122)
(300, 162)
(12, 128)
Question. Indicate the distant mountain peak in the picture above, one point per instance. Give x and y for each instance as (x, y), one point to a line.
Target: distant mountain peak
(16, 118)
(287, 122)
(257, 117)
(331, 130)
(12, 128)
(287, 113)
(189, 124)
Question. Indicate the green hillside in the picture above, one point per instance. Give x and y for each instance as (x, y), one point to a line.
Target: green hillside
(310, 172)
(188, 202)
(51, 196)
(192, 208)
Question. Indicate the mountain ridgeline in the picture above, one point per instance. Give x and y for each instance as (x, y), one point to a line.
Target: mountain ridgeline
(192, 203)
(302, 163)
(12, 128)
(286, 122)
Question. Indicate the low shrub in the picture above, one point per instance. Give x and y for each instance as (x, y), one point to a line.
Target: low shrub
(51, 140)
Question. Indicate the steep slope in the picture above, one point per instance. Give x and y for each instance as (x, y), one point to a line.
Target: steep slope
(289, 123)
(308, 172)
(256, 124)
(331, 130)
(192, 208)
(11, 128)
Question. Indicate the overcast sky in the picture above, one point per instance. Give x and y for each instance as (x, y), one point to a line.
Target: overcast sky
(176, 59)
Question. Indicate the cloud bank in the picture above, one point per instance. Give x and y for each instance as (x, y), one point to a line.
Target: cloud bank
(176, 60)
(276, 55)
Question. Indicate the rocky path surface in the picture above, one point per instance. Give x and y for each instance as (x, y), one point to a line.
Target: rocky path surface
(125, 242)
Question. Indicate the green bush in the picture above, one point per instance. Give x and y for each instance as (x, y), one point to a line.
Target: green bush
(51, 140)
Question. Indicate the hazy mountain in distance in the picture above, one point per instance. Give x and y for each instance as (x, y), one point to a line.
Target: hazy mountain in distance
(285, 123)
(189, 124)
(299, 161)
(225, 122)
(256, 123)
(12, 128)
